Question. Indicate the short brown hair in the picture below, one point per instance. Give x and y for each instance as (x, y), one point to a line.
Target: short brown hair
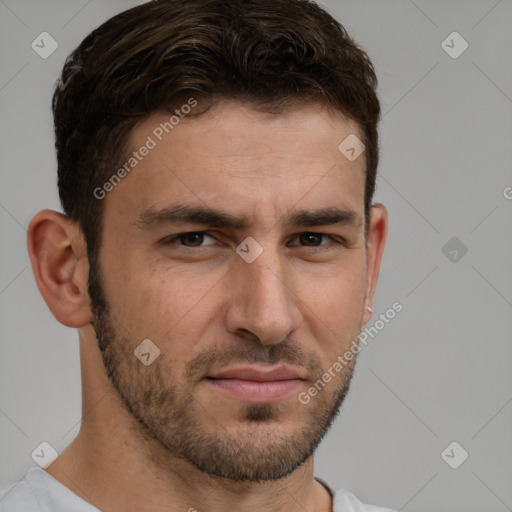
(272, 54)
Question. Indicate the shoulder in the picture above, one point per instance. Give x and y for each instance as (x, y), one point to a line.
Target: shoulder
(345, 501)
(18, 497)
(39, 492)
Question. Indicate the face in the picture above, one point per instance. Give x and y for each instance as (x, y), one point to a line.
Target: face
(237, 246)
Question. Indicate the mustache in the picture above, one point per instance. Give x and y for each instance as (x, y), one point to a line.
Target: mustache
(286, 352)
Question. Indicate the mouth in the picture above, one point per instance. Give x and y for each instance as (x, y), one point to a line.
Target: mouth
(257, 384)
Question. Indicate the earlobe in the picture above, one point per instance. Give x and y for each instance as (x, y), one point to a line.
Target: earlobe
(377, 234)
(59, 263)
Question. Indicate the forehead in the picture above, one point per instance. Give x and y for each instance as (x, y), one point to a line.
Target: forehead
(233, 155)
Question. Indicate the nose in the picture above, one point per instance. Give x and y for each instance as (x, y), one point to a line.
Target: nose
(262, 299)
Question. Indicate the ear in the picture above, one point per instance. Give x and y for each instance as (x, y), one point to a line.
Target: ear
(377, 234)
(58, 256)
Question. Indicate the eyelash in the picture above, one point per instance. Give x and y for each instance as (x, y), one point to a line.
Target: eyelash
(171, 240)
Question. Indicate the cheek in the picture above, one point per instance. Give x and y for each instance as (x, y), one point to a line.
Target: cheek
(338, 297)
(166, 304)
(334, 313)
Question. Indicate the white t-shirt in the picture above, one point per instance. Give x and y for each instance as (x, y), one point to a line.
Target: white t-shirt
(40, 492)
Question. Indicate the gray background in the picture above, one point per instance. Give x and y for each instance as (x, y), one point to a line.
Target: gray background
(441, 370)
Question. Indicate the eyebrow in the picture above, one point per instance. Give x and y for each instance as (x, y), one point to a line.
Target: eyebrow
(322, 217)
(183, 213)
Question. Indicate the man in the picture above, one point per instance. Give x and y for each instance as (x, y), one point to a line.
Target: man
(219, 251)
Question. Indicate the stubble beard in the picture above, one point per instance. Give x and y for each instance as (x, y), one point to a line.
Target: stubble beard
(262, 447)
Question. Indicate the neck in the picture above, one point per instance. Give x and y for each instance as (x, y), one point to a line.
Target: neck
(115, 465)
(118, 478)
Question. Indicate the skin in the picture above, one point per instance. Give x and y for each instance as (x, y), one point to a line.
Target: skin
(301, 302)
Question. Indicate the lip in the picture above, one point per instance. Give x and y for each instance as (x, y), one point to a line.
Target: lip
(257, 384)
(259, 373)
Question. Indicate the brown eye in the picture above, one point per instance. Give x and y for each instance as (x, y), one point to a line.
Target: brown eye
(192, 239)
(312, 239)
